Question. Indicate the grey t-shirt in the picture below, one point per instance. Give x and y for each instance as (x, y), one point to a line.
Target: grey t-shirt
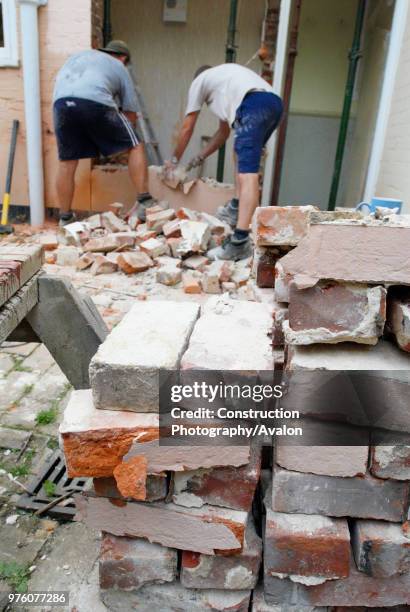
(95, 75)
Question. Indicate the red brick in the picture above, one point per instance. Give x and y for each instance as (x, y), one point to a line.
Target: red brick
(280, 225)
(333, 312)
(131, 477)
(308, 546)
(380, 549)
(156, 487)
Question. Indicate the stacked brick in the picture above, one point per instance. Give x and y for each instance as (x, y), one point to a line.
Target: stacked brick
(177, 523)
(336, 532)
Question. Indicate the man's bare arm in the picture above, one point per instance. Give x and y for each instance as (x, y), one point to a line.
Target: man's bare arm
(185, 134)
(217, 140)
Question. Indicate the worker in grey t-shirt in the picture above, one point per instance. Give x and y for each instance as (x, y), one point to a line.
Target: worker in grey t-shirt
(95, 111)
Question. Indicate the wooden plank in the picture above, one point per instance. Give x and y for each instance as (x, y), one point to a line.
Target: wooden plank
(17, 265)
(17, 307)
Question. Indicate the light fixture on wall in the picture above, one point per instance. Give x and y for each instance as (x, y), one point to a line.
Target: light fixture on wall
(175, 11)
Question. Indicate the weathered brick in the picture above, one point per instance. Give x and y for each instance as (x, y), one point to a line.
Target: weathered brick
(359, 497)
(102, 265)
(169, 275)
(320, 450)
(380, 549)
(231, 335)
(153, 247)
(130, 563)
(134, 262)
(175, 598)
(333, 312)
(381, 371)
(113, 223)
(390, 461)
(229, 487)
(306, 546)
(280, 225)
(259, 604)
(398, 318)
(355, 590)
(124, 372)
(195, 237)
(156, 487)
(233, 572)
(95, 441)
(131, 478)
(208, 530)
(163, 458)
(157, 220)
(326, 253)
(279, 314)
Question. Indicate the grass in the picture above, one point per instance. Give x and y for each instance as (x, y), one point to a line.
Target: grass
(15, 575)
(23, 469)
(45, 417)
(52, 443)
(19, 367)
(49, 488)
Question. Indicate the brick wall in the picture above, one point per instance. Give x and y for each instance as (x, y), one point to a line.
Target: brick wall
(97, 22)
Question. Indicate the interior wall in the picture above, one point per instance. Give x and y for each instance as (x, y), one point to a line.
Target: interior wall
(165, 56)
(370, 80)
(394, 177)
(325, 38)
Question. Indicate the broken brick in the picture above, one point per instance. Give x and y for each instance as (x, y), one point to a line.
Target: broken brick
(85, 261)
(399, 319)
(280, 225)
(380, 549)
(233, 572)
(390, 461)
(207, 530)
(156, 221)
(113, 223)
(131, 478)
(132, 263)
(169, 275)
(172, 229)
(153, 247)
(228, 487)
(190, 283)
(333, 312)
(129, 563)
(195, 237)
(67, 256)
(155, 485)
(303, 545)
(95, 441)
(102, 265)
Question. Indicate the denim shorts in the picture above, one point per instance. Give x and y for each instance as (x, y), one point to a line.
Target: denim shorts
(256, 119)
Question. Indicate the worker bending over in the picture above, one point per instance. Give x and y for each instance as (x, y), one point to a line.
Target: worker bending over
(95, 112)
(244, 101)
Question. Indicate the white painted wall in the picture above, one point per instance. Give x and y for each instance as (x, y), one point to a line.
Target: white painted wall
(167, 54)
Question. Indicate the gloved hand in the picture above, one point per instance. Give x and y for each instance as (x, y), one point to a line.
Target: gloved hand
(195, 162)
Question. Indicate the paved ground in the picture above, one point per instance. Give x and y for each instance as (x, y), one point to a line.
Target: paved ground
(38, 553)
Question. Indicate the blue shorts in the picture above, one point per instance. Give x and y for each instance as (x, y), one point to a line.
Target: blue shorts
(85, 129)
(256, 119)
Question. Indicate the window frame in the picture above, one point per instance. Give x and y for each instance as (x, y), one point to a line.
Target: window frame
(9, 53)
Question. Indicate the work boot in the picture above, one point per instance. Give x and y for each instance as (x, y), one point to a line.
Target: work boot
(140, 208)
(229, 212)
(66, 218)
(231, 250)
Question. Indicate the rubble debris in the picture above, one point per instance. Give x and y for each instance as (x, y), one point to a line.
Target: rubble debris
(134, 262)
(103, 265)
(67, 256)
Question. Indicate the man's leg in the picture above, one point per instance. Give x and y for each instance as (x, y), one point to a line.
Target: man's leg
(248, 199)
(65, 185)
(138, 171)
(138, 168)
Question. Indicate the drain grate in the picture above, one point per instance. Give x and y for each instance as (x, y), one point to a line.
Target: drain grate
(54, 470)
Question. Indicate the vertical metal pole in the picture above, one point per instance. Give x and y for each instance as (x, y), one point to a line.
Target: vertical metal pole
(230, 58)
(354, 57)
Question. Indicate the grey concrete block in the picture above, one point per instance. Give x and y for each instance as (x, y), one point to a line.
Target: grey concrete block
(152, 336)
(366, 497)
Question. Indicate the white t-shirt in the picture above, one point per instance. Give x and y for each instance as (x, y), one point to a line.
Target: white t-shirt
(223, 88)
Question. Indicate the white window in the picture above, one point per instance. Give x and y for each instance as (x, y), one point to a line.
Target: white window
(8, 33)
